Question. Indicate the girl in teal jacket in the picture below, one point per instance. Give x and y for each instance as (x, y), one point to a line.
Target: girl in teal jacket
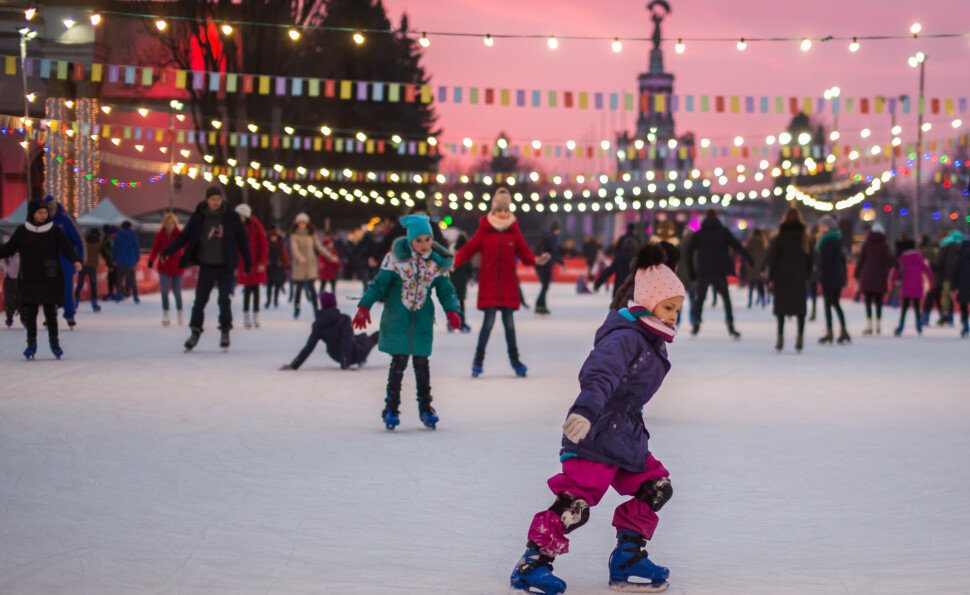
(414, 266)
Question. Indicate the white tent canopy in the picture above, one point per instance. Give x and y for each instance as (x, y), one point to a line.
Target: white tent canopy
(106, 213)
(18, 216)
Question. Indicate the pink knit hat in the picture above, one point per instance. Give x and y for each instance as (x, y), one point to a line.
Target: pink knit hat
(655, 284)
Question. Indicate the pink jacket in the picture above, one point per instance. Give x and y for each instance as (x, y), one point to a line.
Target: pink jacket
(911, 271)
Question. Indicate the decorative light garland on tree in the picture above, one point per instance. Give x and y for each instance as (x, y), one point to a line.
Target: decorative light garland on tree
(56, 181)
(88, 160)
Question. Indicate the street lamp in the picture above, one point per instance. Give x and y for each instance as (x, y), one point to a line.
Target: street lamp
(918, 60)
(174, 106)
(26, 34)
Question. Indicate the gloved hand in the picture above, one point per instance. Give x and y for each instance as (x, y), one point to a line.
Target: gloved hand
(576, 427)
(362, 319)
(454, 320)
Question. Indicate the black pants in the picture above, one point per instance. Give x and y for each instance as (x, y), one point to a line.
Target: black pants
(112, 282)
(333, 286)
(507, 321)
(250, 294)
(300, 287)
(127, 282)
(964, 312)
(907, 302)
(460, 281)
(800, 320)
(422, 377)
(933, 298)
(11, 296)
(209, 277)
(273, 294)
(759, 287)
(91, 274)
(874, 299)
(545, 279)
(720, 286)
(831, 298)
(28, 315)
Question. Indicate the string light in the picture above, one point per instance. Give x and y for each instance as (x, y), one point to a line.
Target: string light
(489, 42)
(360, 136)
(424, 41)
(288, 130)
(29, 13)
(227, 29)
(806, 44)
(95, 19)
(680, 47)
(865, 133)
(617, 45)
(161, 25)
(957, 123)
(915, 29)
(216, 124)
(358, 38)
(68, 23)
(294, 35)
(552, 42)
(106, 109)
(854, 45)
(738, 141)
(252, 128)
(325, 130)
(742, 45)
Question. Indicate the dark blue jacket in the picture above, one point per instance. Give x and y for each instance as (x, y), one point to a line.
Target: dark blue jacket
(960, 273)
(66, 222)
(549, 243)
(832, 273)
(712, 244)
(125, 249)
(333, 328)
(234, 240)
(622, 373)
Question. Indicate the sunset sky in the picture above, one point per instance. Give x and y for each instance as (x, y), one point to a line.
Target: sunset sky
(713, 68)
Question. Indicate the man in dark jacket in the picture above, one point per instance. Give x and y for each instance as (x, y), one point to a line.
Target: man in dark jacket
(333, 328)
(712, 245)
(550, 244)
(626, 249)
(214, 238)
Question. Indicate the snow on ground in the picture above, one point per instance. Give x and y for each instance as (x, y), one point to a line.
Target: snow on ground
(132, 467)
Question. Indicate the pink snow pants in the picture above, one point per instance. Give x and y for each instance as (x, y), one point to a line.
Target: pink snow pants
(589, 481)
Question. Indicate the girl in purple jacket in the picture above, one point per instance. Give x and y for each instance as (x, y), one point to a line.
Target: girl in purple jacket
(914, 277)
(604, 438)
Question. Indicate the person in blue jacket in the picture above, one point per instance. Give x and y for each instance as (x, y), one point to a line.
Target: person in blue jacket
(126, 251)
(67, 224)
(605, 441)
(333, 328)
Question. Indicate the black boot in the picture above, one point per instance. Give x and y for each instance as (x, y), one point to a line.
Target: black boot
(780, 343)
(520, 369)
(478, 363)
(827, 338)
(844, 337)
(732, 331)
(193, 339)
(799, 343)
(224, 339)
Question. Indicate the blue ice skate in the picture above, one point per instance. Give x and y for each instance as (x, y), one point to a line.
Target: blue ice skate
(391, 418)
(429, 418)
(56, 349)
(629, 560)
(966, 330)
(520, 369)
(533, 573)
(477, 364)
(31, 350)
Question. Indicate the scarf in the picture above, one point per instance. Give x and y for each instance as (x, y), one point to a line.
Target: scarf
(635, 312)
(416, 273)
(39, 228)
(829, 235)
(500, 224)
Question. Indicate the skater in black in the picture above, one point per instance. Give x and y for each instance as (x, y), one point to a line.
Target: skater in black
(41, 282)
(333, 329)
(709, 262)
(214, 239)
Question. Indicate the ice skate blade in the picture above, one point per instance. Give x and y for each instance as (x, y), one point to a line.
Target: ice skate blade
(628, 587)
(518, 587)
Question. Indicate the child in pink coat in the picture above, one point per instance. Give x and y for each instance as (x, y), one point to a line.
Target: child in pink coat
(915, 277)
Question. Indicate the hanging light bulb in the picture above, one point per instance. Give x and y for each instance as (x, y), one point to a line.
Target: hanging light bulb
(180, 117)
(143, 112)
(294, 35)
(424, 41)
(69, 104)
(161, 25)
(552, 42)
(288, 130)
(680, 47)
(325, 130)
(95, 19)
(360, 136)
(227, 29)
(489, 42)
(865, 133)
(617, 45)
(68, 23)
(854, 45)
(106, 109)
(915, 29)
(216, 124)
(30, 13)
(31, 97)
(742, 45)
(806, 44)
(358, 38)
(738, 141)
(253, 128)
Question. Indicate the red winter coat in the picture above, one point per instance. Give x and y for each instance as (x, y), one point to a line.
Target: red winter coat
(259, 249)
(327, 269)
(170, 265)
(498, 285)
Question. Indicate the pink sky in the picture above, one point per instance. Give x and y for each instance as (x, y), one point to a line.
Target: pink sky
(769, 68)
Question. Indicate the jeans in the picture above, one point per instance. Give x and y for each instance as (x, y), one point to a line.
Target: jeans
(422, 377)
(545, 278)
(507, 321)
(874, 299)
(759, 287)
(28, 315)
(173, 282)
(70, 306)
(251, 294)
(91, 274)
(209, 277)
(127, 284)
(720, 286)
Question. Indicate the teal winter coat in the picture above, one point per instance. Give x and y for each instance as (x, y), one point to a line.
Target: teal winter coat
(404, 284)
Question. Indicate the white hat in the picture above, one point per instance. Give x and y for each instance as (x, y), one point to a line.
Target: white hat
(244, 210)
(302, 217)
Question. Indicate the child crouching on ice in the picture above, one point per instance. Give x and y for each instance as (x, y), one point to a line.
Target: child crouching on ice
(408, 274)
(333, 329)
(605, 440)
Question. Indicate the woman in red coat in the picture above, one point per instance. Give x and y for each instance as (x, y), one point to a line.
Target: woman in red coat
(500, 242)
(328, 265)
(259, 249)
(169, 273)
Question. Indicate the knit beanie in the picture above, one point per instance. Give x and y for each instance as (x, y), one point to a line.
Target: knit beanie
(212, 191)
(416, 225)
(829, 222)
(501, 200)
(654, 281)
(327, 300)
(33, 206)
(244, 211)
(302, 217)
(878, 228)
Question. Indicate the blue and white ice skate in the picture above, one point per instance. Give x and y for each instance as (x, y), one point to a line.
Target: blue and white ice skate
(391, 419)
(520, 369)
(478, 366)
(429, 418)
(629, 560)
(31, 350)
(533, 573)
(56, 350)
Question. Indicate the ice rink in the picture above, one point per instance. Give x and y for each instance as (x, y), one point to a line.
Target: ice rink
(132, 467)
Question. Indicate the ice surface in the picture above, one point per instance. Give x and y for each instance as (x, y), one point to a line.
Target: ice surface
(130, 466)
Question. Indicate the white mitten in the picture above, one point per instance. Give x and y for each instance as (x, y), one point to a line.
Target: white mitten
(576, 427)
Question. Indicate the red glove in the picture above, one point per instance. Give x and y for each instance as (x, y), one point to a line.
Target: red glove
(454, 320)
(362, 319)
